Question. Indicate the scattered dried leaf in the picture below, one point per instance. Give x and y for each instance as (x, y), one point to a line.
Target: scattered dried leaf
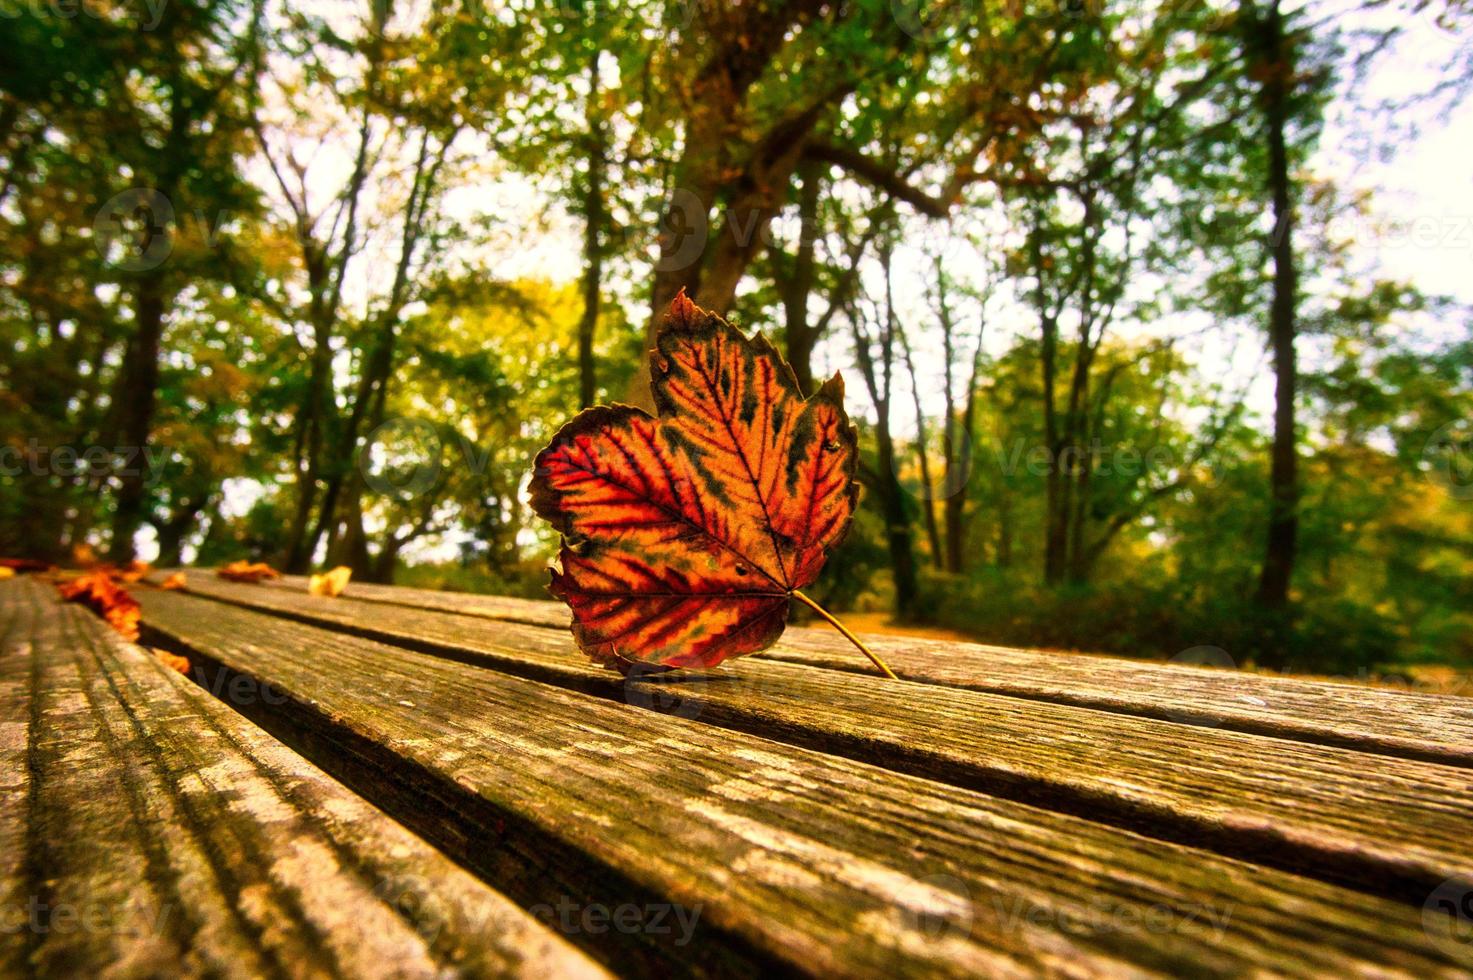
(173, 660)
(98, 592)
(134, 572)
(244, 571)
(330, 583)
(24, 564)
(174, 582)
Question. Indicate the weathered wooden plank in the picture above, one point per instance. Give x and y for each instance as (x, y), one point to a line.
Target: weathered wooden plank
(1384, 825)
(830, 865)
(15, 788)
(533, 612)
(1406, 724)
(155, 832)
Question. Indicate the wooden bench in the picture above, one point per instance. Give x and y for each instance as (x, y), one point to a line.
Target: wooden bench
(996, 812)
(150, 830)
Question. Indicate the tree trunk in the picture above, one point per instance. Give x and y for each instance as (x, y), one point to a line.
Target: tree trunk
(1283, 523)
(593, 216)
(709, 265)
(1055, 538)
(137, 395)
(958, 470)
(928, 498)
(172, 531)
(309, 452)
(886, 485)
(798, 336)
(897, 522)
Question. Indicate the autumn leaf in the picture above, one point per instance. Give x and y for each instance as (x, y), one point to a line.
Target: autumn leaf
(172, 660)
(686, 535)
(24, 565)
(134, 571)
(6, 572)
(98, 592)
(174, 582)
(330, 583)
(244, 571)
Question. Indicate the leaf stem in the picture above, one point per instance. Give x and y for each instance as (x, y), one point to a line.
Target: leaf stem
(848, 635)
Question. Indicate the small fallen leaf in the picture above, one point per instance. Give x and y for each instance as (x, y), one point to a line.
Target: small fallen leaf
(24, 564)
(174, 582)
(330, 583)
(135, 571)
(244, 571)
(173, 660)
(686, 534)
(6, 572)
(98, 592)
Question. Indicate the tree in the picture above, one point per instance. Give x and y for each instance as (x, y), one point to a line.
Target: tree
(156, 113)
(1270, 53)
(391, 92)
(876, 333)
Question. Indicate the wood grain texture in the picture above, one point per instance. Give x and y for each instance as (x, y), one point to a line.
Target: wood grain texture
(1384, 825)
(824, 864)
(1405, 724)
(149, 830)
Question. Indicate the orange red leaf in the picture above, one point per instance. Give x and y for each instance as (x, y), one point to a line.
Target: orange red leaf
(98, 592)
(172, 660)
(134, 571)
(24, 564)
(685, 533)
(245, 571)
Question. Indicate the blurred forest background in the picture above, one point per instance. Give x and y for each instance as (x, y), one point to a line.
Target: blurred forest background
(312, 282)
